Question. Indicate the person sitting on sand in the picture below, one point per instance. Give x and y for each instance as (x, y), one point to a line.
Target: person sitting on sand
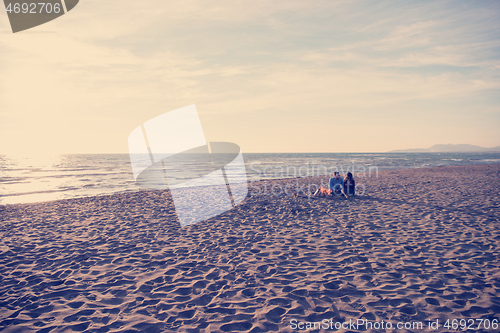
(335, 186)
(349, 185)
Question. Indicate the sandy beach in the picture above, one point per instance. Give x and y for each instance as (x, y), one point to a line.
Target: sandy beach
(419, 246)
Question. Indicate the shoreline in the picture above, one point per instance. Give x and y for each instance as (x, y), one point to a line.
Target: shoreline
(301, 179)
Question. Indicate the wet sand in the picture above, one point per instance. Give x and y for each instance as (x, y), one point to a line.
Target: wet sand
(420, 245)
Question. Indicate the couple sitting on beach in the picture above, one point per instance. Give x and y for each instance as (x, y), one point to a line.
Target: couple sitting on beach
(338, 186)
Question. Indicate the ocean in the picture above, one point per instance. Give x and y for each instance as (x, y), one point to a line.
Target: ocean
(29, 179)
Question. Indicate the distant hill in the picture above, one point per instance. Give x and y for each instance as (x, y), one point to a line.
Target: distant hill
(450, 148)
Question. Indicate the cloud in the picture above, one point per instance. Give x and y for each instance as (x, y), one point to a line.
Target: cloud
(112, 65)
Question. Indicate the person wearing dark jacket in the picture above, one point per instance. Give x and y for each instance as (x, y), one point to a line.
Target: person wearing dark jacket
(349, 185)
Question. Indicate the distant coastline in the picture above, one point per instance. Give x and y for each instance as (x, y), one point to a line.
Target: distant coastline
(450, 148)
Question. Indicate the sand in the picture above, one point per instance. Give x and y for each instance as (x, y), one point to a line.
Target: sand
(420, 245)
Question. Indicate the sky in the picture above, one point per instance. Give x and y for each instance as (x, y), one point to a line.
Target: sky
(270, 76)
